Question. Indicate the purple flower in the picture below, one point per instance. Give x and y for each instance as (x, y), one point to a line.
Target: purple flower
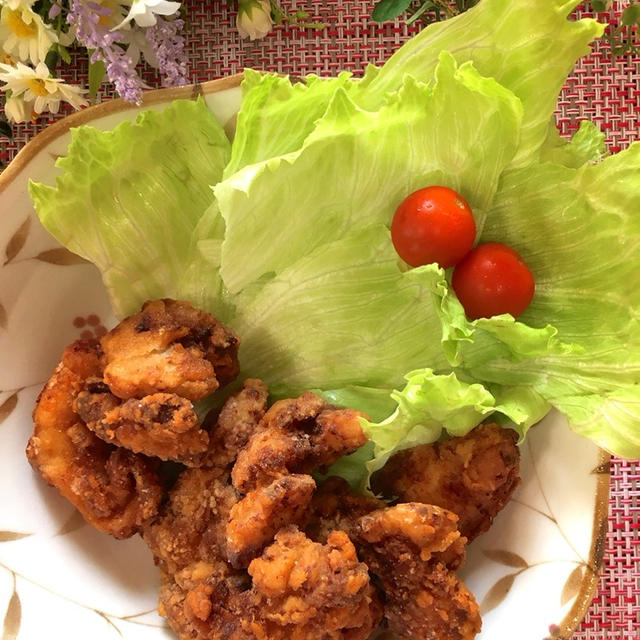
(167, 43)
(54, 10)
(85, 16)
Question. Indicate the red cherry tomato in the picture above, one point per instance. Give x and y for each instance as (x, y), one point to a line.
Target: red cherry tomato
(433, 224)
(492, 279)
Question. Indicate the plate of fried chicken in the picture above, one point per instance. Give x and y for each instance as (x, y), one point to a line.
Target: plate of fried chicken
(142, 512)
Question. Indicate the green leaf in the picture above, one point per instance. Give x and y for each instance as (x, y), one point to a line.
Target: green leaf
(294, 251)
(97, 71)
(529, 47)
(353, 468)
(431, 404)
(631, 15)
(578, 231)
(136, 202)
(320, 294)
(5, 129)
(277, 115)
(377, 403)
(586, 146)
(64, 54)
(460, 131)
(388, 9)
(51, 59)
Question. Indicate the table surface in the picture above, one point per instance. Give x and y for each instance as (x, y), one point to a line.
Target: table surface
(601, 88)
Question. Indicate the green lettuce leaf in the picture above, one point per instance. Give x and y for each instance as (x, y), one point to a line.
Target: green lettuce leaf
(608, 418)
(460, 131)
(299, 329)
(428, 407)
(527, 46)
(585, 146)
(130, 200)
(376, 402)
(431, 404)
(353, 467)
(276, 115)
(579, 231)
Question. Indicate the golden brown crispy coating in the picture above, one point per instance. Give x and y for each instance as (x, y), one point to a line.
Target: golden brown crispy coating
(295, 436)
(235, 423)
(439, 608)
(203, 601)
(170, 347)
(473, 476)
(115, 490)
(413, 548)
(300, 590)
(262, 512)
(161, 424)
(425, 530)
(192, 524)
(335, 506)
(303, 590)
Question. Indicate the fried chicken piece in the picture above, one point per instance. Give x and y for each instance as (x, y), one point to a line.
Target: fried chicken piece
(115, 490)
(295, 436)
(473, 476)
(256, 519)
(424, 530)
(191, 526)
(233, 425)
(203, 601)
(300, 590)
(403, 541)
(161, 424)
(413, 548)
(169, 347)
(303, 590)
(335, 506)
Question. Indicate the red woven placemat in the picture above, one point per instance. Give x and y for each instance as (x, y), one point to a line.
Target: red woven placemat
(603, 89)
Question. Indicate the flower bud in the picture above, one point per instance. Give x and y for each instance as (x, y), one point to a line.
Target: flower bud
(254, 18)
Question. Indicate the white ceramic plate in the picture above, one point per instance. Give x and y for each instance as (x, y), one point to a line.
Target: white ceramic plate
(533, 574)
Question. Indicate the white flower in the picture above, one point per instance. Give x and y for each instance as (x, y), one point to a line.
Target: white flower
(23, 33)
(18, 109)
(144, 12)
(17, 4)
(254, 18)
(37, 87)
(138, 46)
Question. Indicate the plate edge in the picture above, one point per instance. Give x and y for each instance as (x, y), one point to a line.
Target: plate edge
(587, 591)
(60, 127)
